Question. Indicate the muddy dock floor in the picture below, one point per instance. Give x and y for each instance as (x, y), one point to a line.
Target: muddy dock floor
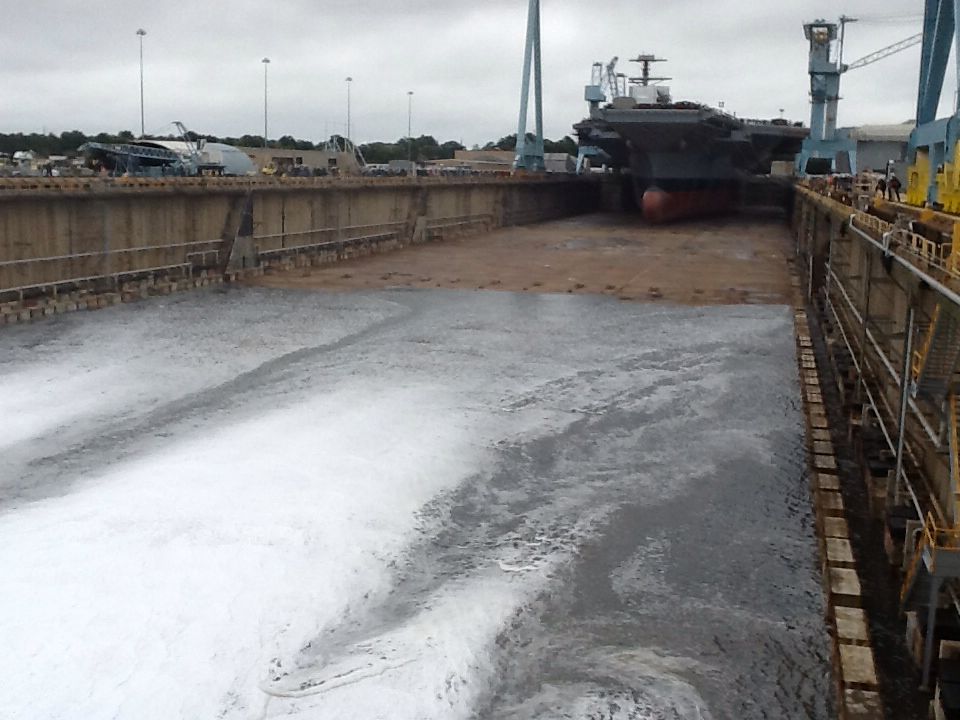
(729, 260)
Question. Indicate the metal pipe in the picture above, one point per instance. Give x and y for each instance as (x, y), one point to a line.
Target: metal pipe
(266, 62)
(931, 622)
(410, 126)
(876, 410)
(866, 318)
(349, 83)
(931, 433)
(141, 32)
(953, 597)
(829, 264)
(928, 279)
(904, 398)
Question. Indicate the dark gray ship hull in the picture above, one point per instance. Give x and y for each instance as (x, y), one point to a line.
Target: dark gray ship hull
(686, 159)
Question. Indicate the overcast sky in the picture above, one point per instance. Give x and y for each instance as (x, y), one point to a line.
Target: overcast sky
(73, 64)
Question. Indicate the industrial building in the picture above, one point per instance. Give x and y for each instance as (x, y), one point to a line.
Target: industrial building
(272, 159)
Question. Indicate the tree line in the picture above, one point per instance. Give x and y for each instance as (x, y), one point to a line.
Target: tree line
(425, 147)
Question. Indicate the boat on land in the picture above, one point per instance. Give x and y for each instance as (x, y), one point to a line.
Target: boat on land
(684, 159)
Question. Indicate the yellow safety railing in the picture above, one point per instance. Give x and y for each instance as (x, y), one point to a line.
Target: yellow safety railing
(937, 539)
(944, 256)
(953, 261)
(866, 221)
(955, 458)
(920, 355)
(940, 538)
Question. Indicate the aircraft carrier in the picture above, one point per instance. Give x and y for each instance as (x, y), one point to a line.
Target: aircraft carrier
(684, 158)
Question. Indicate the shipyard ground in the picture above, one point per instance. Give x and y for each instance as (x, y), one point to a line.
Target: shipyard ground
(722, 261)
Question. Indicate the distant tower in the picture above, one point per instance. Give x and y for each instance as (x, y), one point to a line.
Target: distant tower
(824, 79)
(530, 153)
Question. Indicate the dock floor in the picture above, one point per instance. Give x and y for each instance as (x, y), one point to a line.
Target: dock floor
(715, 261)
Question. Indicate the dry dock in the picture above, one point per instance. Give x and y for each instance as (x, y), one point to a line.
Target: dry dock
(881, 462)
(470, 503)
(748, 258)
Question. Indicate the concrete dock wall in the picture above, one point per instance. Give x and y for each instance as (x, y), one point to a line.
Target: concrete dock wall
(884, 294)
(58, 236)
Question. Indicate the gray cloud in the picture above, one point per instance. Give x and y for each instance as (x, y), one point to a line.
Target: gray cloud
(68, 64)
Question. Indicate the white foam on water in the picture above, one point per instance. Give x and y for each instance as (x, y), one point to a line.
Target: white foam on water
(187, 583)
(166, 586)
(439, 662)
(433, 665)
(637, 684)
(39, 400)
(147, 355)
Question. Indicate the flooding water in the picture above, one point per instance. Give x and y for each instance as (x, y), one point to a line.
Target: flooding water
(252, 504)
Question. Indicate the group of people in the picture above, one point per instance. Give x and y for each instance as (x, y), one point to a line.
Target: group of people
(889, 187)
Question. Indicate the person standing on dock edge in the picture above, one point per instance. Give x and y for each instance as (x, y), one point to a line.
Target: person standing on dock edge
(893, 188)
(881, 187)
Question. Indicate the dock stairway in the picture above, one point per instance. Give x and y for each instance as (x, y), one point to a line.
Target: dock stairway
(935, 362)
(937, 554)
(933, 542)
(935, 560)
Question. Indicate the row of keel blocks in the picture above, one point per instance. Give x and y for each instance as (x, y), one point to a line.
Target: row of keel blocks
(852, 655)
(12, 313)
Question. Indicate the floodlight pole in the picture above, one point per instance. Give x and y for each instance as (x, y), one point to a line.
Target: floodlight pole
(141, 32)
(266, 62)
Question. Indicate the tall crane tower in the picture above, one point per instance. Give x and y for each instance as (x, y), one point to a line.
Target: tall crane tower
(933, 150)
(529, 153)
(826, 66)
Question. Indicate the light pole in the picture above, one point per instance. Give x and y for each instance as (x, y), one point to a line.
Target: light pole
(409, 125)
(349, 81)
(141, 32)
(266, 62)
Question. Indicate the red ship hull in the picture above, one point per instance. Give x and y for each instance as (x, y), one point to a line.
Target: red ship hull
(660, 206)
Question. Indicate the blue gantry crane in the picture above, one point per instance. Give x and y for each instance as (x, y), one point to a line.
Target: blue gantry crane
(825, 150)
(934, 175)
(529, 154)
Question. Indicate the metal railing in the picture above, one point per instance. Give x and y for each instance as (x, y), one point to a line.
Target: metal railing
(936, 540)
(954, 458)
(940, 538)
(437, 227)
(330, 237)
(865, 221)
(934, 253)
(74, 268)
(944, 256)
(32, 185)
